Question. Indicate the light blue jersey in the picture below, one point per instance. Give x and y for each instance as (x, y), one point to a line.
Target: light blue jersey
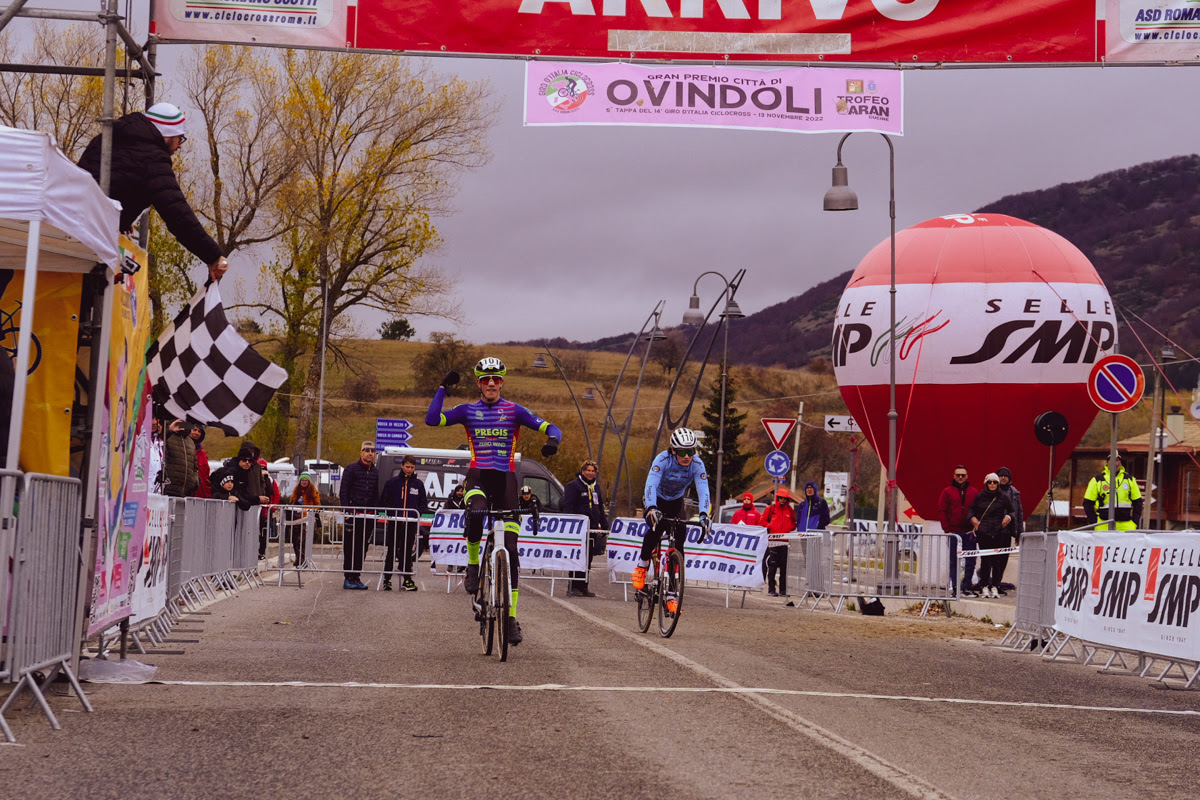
(668, 480)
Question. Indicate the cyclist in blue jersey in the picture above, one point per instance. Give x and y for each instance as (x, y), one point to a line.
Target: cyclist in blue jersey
(671, 473)
(493, 425)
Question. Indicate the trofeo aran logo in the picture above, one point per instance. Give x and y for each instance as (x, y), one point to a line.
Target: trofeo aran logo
(566, 90)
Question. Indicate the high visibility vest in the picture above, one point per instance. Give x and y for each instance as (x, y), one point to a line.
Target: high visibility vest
(1127, 492)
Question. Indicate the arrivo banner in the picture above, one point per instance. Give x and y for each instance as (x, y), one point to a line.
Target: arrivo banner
(731, 555)
(1139, 591)
(559, 543)
(894, 31)
(803, 100)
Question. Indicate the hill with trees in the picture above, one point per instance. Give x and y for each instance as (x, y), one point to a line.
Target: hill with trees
(1136, 225)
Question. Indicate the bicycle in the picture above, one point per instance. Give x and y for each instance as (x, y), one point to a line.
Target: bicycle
(493, 600)
(664, 582)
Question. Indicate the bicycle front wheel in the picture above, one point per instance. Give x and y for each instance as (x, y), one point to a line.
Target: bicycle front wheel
(670, 588)
(503, 601)
(646, 601)
(487, 617)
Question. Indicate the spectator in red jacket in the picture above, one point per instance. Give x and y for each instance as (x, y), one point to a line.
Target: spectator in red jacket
(780, 520)
(202, 468)
(748, 514)
(954, 507)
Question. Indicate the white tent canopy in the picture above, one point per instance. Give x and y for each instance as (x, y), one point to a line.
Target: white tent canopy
(78, 223)
(53, 216)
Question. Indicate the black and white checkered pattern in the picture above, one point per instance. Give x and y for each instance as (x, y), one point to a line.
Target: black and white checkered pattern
(201, 370)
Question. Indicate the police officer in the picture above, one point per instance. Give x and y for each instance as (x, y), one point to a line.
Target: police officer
(1129, 499)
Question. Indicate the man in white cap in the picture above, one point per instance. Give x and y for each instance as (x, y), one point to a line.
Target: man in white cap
(143, 176)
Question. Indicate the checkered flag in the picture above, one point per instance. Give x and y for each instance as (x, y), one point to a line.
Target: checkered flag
(201, 370)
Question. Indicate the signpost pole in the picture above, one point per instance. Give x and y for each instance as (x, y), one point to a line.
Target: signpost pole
(1112, 474)
(796, 446)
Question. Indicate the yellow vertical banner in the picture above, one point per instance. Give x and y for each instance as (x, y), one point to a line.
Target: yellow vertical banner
(50, 386)
(124, 482)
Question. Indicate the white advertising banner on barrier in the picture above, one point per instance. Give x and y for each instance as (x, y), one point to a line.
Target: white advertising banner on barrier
(732, 554)
(1139, 591)
(150, 591)
(298, 23)
(560, 543)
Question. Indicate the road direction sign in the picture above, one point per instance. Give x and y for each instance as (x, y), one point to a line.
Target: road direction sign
(778, 463)
(841, 424)
(778, 430)
(393, 432)
(1116, 383)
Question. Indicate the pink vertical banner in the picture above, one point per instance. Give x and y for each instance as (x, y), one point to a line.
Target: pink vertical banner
(803, 100)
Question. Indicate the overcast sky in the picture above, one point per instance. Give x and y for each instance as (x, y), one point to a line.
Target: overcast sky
(583, 230)
(579, 231)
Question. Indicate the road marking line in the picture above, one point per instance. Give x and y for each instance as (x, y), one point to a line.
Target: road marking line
(562, 687)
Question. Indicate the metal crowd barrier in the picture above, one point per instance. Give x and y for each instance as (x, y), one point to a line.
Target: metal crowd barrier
(42, 632)
(1034, 631)
(1033, 625)
(912, 566)
(323, 544)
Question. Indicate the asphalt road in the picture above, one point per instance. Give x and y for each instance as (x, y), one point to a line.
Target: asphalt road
(316, 692)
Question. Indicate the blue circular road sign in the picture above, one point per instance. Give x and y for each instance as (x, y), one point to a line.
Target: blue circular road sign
(778, 463)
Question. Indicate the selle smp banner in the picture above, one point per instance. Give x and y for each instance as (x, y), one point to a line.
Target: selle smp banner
(732, 555)
(803, 100)
(892, 31)
(1139, 591)
(561, 541)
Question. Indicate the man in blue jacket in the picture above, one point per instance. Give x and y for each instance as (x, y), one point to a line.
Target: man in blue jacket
(813, 513)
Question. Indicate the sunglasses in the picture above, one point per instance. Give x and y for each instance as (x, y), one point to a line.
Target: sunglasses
(368, 449)
(240, 460)
(182, 138)
(688, 453)
(989, 483)
(960, 474)
(491, 379)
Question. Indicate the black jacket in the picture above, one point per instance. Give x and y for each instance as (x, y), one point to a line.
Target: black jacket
(360, 485)
(990, 507)
(576, 501)
(404, 492)
(143, 176)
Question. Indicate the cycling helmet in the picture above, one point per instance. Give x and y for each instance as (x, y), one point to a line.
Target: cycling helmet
(488, 367)
(683, 438)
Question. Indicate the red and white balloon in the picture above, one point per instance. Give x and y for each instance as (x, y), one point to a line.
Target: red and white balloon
(997, 321)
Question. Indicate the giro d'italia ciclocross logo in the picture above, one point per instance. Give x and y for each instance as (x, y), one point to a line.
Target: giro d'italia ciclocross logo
(566, 90)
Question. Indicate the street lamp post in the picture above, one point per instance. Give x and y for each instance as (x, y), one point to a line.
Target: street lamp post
(841, 197)
(693, 317)
(540, 363)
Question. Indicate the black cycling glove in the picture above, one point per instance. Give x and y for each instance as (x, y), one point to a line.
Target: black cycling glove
(451, 379)
(549, 448)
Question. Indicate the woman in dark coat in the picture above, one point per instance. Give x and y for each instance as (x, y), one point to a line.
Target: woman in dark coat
(990, 513)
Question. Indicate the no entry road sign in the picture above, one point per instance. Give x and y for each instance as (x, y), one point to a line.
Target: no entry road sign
(1116, 383)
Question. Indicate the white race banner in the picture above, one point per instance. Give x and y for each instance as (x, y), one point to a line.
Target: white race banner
(560, 543)
(150, 591)
(732, 554)
(1133, 590)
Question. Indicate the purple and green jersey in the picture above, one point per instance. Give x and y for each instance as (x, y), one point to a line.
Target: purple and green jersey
(492, 430)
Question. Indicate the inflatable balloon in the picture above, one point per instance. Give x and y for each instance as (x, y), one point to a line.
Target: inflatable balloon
(997, 321)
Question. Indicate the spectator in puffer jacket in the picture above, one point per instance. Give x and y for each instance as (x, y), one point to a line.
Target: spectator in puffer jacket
(179, 462)
(143, 176)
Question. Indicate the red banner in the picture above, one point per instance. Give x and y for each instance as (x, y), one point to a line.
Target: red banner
(892, 31)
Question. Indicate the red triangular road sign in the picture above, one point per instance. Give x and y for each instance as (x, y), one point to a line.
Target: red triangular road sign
(778, 430)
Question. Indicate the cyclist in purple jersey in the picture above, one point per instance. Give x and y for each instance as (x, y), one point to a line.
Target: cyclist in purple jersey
(493, 425)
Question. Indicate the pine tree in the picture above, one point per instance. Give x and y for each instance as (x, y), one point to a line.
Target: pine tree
(734, 481)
